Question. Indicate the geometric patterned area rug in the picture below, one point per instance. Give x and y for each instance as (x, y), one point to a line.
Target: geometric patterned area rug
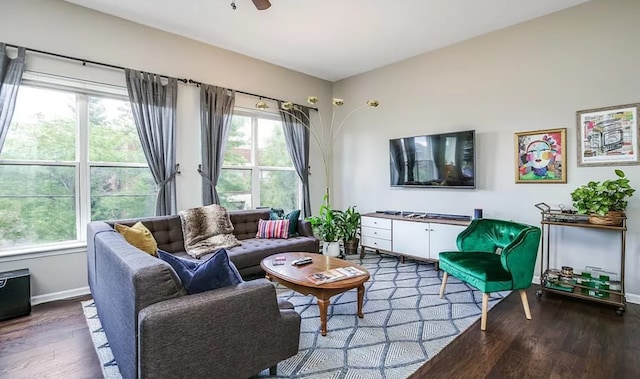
(100, 343)
(405, 324)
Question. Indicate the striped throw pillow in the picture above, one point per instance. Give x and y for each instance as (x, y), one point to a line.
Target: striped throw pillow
(273, 229)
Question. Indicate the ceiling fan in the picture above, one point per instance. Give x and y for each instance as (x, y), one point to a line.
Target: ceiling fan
(260, 4)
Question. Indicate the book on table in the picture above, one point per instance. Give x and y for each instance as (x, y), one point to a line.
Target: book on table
(335, 274)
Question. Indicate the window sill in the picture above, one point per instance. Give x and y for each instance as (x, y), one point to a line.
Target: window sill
(43, 251)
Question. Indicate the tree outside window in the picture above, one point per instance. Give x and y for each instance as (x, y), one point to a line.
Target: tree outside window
(46, 170)
(257, 170)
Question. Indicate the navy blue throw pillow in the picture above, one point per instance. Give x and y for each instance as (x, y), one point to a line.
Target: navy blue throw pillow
(200, 276)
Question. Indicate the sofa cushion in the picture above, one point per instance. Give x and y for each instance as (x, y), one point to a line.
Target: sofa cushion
(273, 229)
(206, 229)
(292, 216)
(276, 214)
(201, 276)
(139, 236)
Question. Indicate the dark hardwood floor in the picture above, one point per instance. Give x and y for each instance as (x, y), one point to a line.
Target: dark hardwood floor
(566, 338)
(52, 342)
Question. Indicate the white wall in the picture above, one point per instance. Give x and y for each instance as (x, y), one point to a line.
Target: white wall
(531, 76)
(63, 28)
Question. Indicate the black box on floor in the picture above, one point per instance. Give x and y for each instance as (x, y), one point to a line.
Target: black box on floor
(15, 293)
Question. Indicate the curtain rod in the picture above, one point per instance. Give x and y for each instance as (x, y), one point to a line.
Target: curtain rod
(85, 61)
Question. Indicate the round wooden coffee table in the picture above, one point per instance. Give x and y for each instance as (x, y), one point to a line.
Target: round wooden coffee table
(295, 278)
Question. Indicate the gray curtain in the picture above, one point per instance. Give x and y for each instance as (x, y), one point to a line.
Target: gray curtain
(10, 77)
(154, 111)
(216, 111)
(296, 133)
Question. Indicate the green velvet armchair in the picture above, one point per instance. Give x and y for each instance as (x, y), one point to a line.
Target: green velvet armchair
(494, 255)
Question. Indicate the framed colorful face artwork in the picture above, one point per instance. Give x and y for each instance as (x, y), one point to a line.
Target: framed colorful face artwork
(540, 156)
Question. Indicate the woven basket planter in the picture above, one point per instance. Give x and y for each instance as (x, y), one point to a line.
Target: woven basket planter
(612, 218)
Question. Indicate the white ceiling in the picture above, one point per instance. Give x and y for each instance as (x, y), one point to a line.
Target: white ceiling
(329, 39)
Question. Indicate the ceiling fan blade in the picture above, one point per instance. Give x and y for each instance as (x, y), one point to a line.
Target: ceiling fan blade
(261, 4)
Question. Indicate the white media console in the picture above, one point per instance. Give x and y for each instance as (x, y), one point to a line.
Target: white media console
(418, 238)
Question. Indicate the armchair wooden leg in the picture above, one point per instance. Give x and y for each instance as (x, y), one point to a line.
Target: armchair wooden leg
(445, 276)
(525, 304)
(485, 305)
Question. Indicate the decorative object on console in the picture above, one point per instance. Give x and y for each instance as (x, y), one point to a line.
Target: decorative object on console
(608, 136)
(206, 229)
(540, 156)
(477, 213)
(604, 202)
(325, 140)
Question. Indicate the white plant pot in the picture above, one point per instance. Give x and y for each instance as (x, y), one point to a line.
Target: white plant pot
(331, 249)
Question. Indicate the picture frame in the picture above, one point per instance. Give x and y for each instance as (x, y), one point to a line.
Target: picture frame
(539, 156)
(608, 136)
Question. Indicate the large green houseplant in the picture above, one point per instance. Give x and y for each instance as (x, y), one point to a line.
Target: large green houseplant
(326, 226)
(349, 224)
(605, 202)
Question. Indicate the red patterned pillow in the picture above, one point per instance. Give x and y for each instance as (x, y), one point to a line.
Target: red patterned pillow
(273, 229)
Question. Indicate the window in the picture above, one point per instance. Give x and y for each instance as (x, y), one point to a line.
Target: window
(69, 157)
(257, 169)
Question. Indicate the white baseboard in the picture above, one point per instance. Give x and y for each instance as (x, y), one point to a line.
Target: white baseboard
(35, 300)
(631, 298)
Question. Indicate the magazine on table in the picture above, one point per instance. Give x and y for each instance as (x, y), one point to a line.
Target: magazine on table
(335, 274)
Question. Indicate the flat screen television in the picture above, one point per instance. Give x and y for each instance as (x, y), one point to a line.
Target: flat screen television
(436, 160)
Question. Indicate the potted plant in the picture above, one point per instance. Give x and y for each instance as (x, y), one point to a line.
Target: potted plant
(326, 226)
(604, 202)
(349, 223)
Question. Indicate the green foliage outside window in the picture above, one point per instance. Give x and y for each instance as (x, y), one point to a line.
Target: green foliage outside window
(38, 199)
(278, 186)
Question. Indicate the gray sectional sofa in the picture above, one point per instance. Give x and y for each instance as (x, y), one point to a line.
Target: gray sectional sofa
(156, 330)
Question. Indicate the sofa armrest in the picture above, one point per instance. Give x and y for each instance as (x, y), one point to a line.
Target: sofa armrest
(304, 228)
(230, 332)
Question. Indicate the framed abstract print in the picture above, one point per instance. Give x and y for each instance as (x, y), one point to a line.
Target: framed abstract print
(608, 136)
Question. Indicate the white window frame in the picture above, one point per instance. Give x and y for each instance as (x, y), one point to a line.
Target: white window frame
(253, 166)
(82, 165)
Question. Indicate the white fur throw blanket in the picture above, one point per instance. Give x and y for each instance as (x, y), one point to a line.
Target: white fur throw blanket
(206, 229)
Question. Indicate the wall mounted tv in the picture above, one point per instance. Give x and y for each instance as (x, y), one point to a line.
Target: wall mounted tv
(444, 160)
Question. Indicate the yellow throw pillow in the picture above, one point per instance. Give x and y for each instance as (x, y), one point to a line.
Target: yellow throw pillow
(139, 236)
